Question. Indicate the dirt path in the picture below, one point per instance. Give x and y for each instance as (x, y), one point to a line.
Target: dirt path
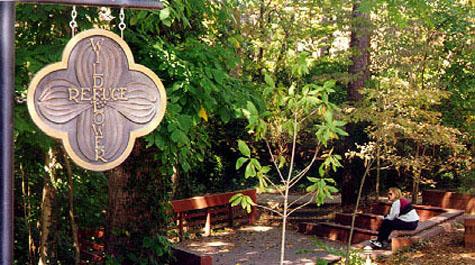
(258, 245)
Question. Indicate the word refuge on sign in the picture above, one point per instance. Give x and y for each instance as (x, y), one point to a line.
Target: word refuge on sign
(97, 100)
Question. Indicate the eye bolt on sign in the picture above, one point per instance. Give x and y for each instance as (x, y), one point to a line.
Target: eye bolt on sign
(97, 100)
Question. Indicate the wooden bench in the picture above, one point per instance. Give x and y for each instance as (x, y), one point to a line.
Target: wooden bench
(363, 220)
(452, 200)
(206, 206)
(91, 244)
(335, 231)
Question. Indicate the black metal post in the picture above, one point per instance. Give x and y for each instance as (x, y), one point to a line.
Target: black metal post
(139, 4)
(7, 86)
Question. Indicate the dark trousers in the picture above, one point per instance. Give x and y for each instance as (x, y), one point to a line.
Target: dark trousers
(389, 225)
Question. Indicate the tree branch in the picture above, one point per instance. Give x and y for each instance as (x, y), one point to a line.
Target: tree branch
(294, 143)
(310, 114)
(302, 205)
(269, 209)
(273, 161)
(274, 185)
(300, 175)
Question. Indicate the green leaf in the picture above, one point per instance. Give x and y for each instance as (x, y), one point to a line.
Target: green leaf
(167, 22)
(313, 179)
(321, 170)
(250, 171)
(252, 108)
(243, 148)
(164, 13)
(180, 137)
(240, 162)
(185, 122)
(269, 81)
(256, 163)
(236, 199)
(341, 132)
(265, 169)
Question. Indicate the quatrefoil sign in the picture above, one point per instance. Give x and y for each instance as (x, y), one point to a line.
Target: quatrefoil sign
(97, 100)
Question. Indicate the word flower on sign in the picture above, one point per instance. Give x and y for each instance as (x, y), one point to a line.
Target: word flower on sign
(97, 100)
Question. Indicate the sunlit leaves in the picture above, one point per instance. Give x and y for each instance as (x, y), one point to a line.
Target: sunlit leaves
(405, 125)
(244, 149)
(244, 200)
(323, 188)
(241, 162)
(331, 161)
(329, 129)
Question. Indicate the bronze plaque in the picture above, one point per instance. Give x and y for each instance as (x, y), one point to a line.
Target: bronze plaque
(97, 100)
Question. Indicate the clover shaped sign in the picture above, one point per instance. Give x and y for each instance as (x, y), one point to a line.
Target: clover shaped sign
(96, 100)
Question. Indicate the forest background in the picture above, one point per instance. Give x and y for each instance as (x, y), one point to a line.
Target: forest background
(391, 80)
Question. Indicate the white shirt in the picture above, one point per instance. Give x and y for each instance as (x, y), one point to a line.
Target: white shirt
(411, 216)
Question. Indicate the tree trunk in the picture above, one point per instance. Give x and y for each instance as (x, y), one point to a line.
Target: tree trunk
(118, 215)
(415, 186)
(137, 199)
(353, 216)
(74, 227)
(49, 196)
(378, 171)
(27, 212)
(359, 74)
(175, 182)
(360, 45)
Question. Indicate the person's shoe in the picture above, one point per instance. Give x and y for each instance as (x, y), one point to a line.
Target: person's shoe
(385, 244)
(376, 243)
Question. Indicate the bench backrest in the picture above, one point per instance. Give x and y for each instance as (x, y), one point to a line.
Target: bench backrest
(208, 201)
(452, 200)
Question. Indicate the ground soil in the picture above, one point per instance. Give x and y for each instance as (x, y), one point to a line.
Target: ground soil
(258, 245)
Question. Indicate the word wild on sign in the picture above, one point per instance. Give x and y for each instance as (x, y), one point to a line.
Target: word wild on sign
(97, 100)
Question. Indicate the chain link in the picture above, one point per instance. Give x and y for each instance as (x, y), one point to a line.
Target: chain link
(122, 25)
(73, 24)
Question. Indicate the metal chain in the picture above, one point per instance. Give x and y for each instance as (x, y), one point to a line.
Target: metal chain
(122, 25)
(73, 24)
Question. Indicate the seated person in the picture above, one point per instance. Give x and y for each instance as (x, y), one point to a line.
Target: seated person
(401, 217)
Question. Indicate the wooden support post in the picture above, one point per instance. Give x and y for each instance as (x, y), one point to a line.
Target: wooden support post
(253, 214)
(230, 215)
(208, 223)
(180, 226)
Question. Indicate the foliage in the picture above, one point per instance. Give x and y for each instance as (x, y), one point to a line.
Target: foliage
(410, 88)
(264, 68)
(290, 113)
(189, 45)
(408, 129)
(195, 66)
(354, 257)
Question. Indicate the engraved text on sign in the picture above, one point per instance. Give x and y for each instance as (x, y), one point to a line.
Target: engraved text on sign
(97, 100)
